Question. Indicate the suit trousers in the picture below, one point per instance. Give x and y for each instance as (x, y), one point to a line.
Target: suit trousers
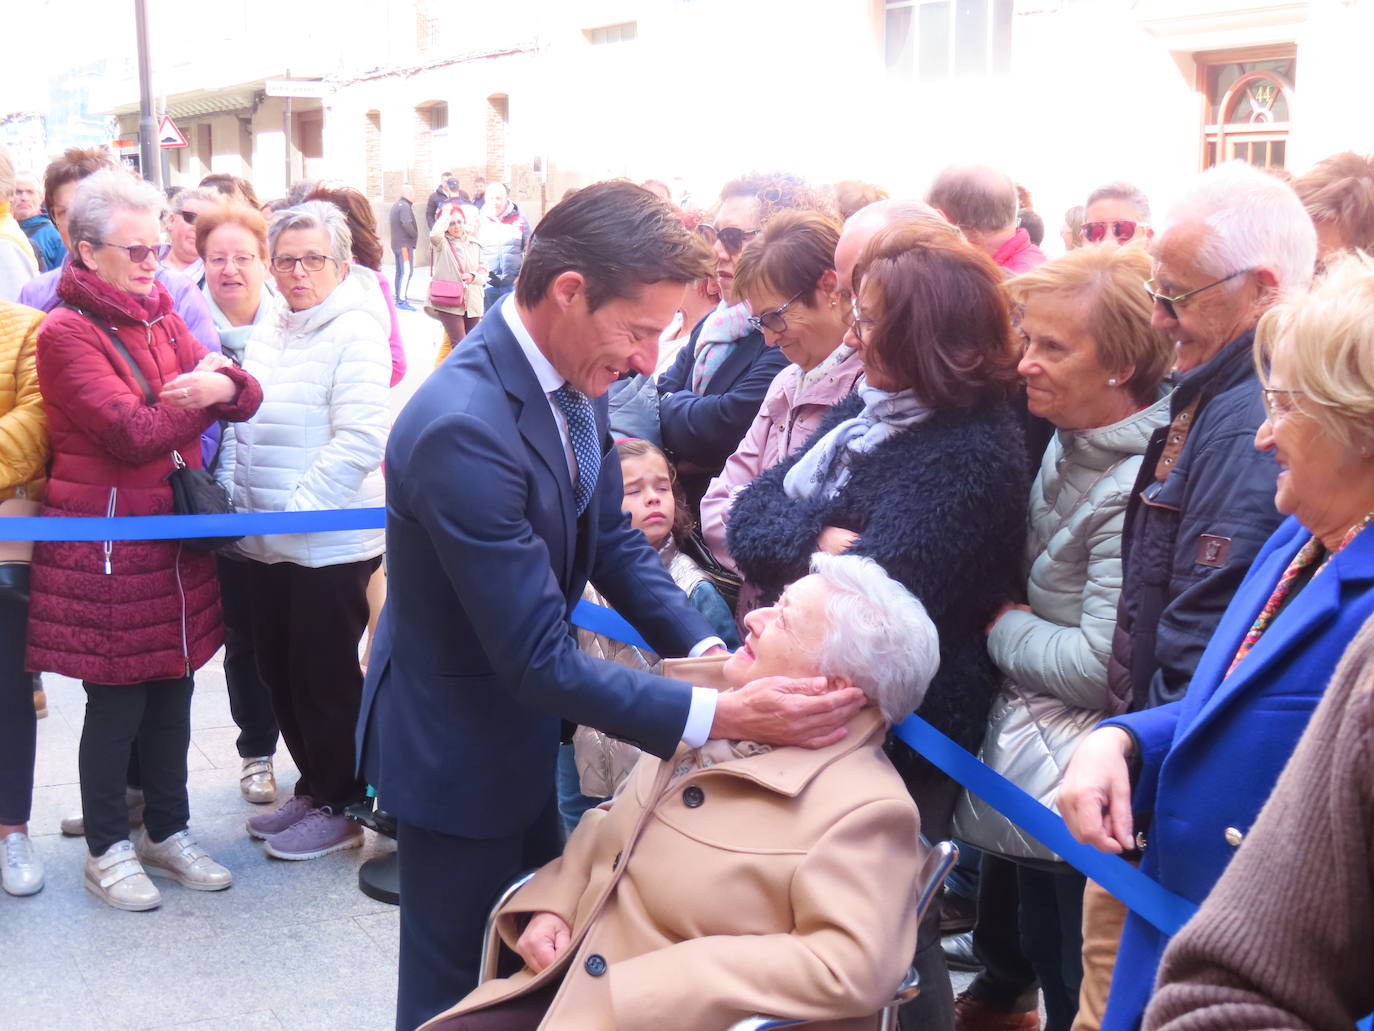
(156, 714)
(307, 623)
(448, 886)
(18, 725)
(250, 703)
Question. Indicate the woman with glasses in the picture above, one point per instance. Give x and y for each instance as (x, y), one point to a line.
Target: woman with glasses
(711, 393)
(1117, 214)
(316, 443)
(128, 391)
(231, 239)
(787, 278)
(1185, 781)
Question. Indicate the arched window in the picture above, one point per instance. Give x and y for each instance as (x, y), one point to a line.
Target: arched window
(1250, 101)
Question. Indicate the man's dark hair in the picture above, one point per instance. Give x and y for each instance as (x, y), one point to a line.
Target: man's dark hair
(619, 236)
(1032, 223)
(975, 197)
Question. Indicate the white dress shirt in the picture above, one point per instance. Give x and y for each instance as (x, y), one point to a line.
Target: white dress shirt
(703, 710)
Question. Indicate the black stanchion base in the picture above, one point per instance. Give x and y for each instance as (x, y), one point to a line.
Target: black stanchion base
(380, 879)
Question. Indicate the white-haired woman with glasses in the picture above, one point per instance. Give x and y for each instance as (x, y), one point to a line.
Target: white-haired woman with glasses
(1186, 780)
(740, 878)
(128, 391)
(316, 443)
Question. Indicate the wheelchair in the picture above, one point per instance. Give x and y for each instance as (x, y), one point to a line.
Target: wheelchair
(939, 861)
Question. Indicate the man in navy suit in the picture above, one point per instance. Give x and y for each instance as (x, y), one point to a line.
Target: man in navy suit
(500, 507)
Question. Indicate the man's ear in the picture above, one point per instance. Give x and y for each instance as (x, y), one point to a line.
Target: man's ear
(1269, 288)
(566, 288)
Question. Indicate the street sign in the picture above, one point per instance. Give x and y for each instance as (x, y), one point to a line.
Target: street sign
(296, 88)
(168, 135)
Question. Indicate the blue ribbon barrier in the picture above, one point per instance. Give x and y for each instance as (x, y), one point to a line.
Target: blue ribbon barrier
(1161, 907)
(177, 527)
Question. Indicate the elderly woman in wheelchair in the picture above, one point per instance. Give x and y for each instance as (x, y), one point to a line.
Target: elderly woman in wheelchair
(735, 878)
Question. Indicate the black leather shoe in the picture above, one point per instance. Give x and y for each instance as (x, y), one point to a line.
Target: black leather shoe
(957, 914)
(958, 950)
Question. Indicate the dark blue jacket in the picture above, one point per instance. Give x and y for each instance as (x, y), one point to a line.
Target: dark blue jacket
(1190, 539)
(474, 665)
(46, 240)
(1210, 759)
(942, 508)
(703, 430)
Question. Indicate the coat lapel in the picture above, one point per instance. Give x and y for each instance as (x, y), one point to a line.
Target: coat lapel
(536, 424)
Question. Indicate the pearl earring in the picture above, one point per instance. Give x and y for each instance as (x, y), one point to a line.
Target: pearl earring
(1111, 382)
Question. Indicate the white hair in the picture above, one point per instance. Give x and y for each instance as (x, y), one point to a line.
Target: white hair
(878, 635)
(7, 177)
(1257, 221)
(100, 196)
(315, 214)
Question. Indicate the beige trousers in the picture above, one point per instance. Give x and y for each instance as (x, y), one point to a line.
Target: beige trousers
(1103, 917)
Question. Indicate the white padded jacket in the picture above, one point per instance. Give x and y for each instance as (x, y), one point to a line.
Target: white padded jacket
(318, 439)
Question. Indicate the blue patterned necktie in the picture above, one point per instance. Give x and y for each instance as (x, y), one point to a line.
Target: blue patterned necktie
(577, 409)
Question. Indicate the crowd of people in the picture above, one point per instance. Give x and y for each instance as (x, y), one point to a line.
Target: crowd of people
(838, 457)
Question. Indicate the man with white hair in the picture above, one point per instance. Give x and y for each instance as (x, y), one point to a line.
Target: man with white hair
(737, 878)
(17, 263)
(27, 208)
(1235, 243)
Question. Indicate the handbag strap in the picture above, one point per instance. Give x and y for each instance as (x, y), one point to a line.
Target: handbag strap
(118, 346)
(456, 259)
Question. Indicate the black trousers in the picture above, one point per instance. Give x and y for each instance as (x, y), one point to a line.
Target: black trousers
(250, 702)
(18, 724)
(307, 623)
(156, 714)
(405, 268)
(448, 886)
(932, 1010)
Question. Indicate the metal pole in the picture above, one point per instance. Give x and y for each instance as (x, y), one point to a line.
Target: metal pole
(147, 131)
(286, 137)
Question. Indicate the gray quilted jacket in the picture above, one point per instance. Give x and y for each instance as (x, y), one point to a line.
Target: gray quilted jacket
(1077, 511)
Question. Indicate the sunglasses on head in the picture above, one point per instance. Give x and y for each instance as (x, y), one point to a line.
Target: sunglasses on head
(731, 238)
(1096, 232)
(138, 252)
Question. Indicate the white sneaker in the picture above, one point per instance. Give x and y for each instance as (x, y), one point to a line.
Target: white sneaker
(117, 877)
(257, 782)
(180, 858)
(75, 826)
(23, 870)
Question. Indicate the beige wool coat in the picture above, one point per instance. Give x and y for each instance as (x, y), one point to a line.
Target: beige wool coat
(782, 883)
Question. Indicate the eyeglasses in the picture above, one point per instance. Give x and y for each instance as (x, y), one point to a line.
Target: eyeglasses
(312, 263)
(1096, 232)
(731, 238)
(772, 320)
(219, 261)
(1171, 304)
(138, 252)
(856, 323)
(1279, 403)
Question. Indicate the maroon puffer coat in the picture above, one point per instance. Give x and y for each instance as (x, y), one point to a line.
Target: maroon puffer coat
(121, 612)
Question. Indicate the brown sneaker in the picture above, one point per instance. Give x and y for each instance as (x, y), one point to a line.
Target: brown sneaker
(972, 1014)
(40, 702)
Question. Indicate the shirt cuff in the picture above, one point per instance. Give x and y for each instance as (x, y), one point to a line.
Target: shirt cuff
(704, 645)
(700, 717)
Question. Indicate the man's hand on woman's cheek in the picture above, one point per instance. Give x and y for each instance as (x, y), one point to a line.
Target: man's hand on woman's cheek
(809, 712)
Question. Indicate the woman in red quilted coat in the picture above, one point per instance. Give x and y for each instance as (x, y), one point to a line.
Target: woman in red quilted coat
(132, 619)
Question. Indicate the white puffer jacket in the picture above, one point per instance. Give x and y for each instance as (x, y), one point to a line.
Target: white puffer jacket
(1077, 512)
(318, 439)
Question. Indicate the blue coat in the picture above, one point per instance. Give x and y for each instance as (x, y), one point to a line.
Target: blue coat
(1210, 759)
(474, 665)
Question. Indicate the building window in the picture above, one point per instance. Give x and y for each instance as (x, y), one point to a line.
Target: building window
(438, 116)
(622, 33)
(1249, 106)
(935, 39)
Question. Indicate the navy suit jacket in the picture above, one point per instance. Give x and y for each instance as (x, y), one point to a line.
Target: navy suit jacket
(474, 666)
(1210, 759)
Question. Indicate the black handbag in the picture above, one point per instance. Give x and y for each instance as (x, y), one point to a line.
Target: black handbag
(194, 491)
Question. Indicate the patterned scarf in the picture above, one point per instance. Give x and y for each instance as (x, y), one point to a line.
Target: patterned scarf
(823, 469)
(1309, 553)
(722, 330)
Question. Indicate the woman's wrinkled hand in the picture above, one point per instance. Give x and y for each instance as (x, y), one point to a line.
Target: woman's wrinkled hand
(213, 362)
(1095, 797)
(545, 939)
(198, 389)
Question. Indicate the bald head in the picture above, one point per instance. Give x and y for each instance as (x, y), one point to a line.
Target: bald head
(865, 224)
(976, 198)
(407, 192)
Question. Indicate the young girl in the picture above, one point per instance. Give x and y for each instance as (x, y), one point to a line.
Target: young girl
(594, 766)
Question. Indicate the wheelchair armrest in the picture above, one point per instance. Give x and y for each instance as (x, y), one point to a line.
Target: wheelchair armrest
(491, 938)
(906, 991)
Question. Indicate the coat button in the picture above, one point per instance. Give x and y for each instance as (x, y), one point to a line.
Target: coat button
(693, 796)
(595, 965)
(1140, 841)
(1233, 837)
